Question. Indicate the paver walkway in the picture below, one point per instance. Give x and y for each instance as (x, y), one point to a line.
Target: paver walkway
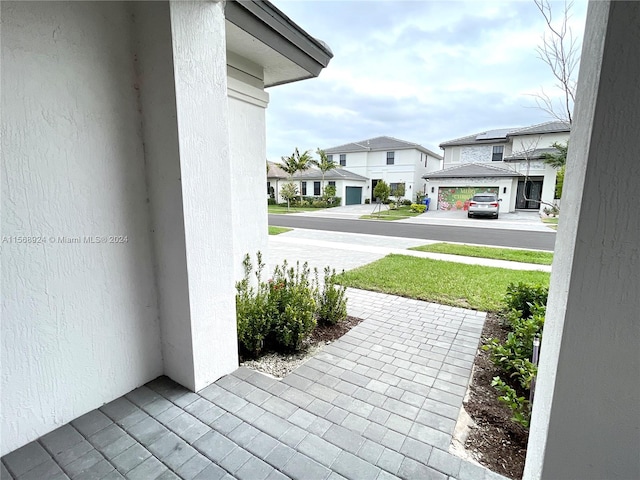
(379, 403)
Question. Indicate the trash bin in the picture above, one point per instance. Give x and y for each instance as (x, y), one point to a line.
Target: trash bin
(426, 201)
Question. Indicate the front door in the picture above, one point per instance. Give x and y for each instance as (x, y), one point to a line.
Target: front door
(529, 195)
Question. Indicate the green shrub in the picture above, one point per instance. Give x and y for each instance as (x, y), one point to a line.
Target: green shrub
(418, 208)
(331, 301)
(271, 201)
(406, 202)
(319, 204)
(525, 312)
(253, 310)
(367, 201)
(392, 206)
(292, 296)
(523, 296)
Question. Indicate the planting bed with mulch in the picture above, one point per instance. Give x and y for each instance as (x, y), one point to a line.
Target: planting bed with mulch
(496, 442)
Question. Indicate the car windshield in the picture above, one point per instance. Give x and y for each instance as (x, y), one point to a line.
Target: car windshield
(484, 198)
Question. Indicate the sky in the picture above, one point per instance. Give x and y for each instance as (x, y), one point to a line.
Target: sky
(421, 71)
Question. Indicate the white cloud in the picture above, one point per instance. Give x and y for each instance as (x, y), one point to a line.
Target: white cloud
(423, 71)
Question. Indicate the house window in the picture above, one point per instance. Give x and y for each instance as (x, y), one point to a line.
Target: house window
(332, 184)
(268, 188)
(304, 188)
(390, 157)
(498, 150)
(316, 188)
(343, 159)
(330, 158)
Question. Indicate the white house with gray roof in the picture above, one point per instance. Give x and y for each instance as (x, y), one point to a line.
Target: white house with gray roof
(515, 151)
(389, 159)
(349, 186)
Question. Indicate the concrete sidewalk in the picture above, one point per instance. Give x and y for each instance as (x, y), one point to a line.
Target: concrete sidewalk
(345, 251)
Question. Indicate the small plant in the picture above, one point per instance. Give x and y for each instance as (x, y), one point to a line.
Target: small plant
(289, 192)
(253, 309)
(331, 301)
(367, 201)
(522, 296)
(418, 208)
(406, 202)
(525, 313)
(519, 405)
(392, 206)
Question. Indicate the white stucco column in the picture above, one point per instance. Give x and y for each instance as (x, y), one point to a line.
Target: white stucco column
(586, 418)
(200, 70)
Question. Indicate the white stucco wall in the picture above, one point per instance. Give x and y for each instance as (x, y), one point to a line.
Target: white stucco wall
(200, 65)
(79, 320)
(247, 129)
(586, 415)
(527, 142)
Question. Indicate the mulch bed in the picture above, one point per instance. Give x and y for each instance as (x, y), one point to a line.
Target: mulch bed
(329, 333)
(496, 442)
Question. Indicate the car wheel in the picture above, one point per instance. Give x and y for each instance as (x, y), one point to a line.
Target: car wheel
(469, 215)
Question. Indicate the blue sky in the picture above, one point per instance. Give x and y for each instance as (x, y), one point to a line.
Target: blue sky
(421, 71)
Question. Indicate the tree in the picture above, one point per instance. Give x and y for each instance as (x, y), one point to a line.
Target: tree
(297, 162)
(560, 51)
(558, 161)
(329, 194)
(324, 165)
(381, 191)
(398, 192)
(289, 191)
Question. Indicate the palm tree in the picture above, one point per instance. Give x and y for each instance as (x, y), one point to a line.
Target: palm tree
(297, 162)
(324, 164)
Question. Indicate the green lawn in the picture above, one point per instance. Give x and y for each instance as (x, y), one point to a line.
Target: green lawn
(448, 283)
(283, 209)
(385, 214)
(278, 230)
(523, 256)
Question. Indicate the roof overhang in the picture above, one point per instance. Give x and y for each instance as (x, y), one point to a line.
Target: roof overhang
(259, 32)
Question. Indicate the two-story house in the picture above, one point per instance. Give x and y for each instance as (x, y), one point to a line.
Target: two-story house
(504, 161)
(389, 159)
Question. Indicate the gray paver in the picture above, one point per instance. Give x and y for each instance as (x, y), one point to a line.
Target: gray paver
(378, 403)
(253, 469)
(130, 458)
(301, 467)
(150, 468)
(353, 467)
(214, 446)
(318, 449)
(444, 462)
(91, 423)
(412, 469)
(25, 458)
(61, 439)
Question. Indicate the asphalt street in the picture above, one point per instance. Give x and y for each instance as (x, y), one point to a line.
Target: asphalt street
(444, 233)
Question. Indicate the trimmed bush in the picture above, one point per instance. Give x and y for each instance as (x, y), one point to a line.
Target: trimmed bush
(331, 301)
(281, 313)
(418, 208)
(406, 202)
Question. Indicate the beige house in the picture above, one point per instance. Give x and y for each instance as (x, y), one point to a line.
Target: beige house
(514, 155)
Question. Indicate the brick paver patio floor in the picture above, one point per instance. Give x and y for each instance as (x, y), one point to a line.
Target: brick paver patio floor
(381, 402)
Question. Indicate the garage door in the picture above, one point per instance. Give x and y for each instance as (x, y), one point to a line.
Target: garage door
(354, 196)
(454, 198)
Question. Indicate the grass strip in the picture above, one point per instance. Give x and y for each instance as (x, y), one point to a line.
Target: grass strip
(447, 283)
(511, 255)
(278, 230)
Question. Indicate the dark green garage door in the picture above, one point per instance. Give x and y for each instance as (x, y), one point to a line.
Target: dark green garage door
(354, 196)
